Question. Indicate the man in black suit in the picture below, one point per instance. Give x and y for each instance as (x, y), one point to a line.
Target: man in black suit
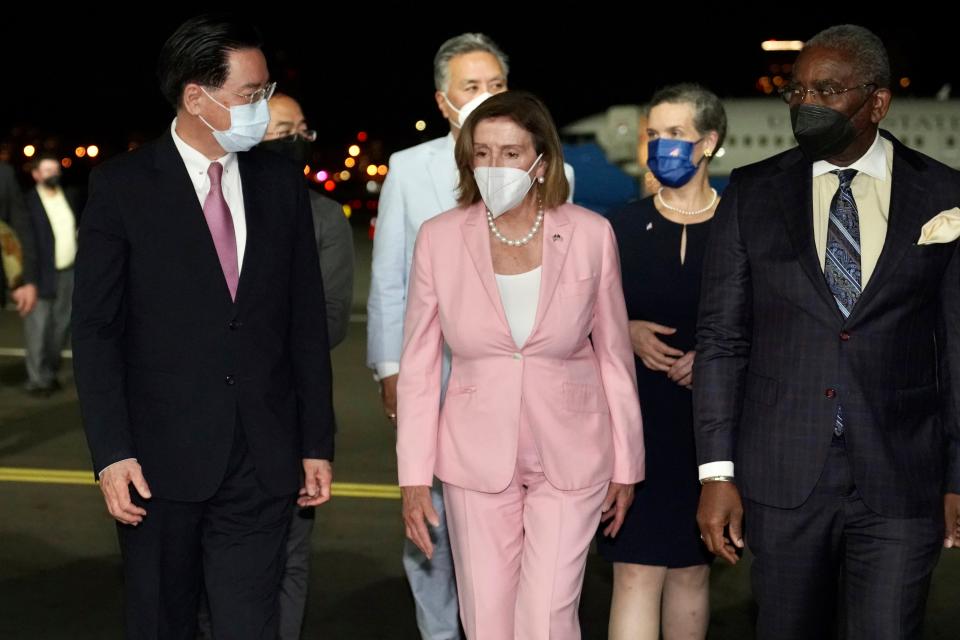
(52, 210)
(201, 348)
(827, 361)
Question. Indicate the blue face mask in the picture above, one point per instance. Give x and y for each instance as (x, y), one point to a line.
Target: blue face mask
(671, 161)
(248, 124)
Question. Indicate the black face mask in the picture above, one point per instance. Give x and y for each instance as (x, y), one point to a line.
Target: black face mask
(51, 182)
(295, 148)
(822, 132)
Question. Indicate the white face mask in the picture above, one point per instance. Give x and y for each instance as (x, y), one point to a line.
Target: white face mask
(248, 124)
(464, 111)
(503, 188)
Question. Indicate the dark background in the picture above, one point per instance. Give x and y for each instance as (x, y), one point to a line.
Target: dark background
(86, 76)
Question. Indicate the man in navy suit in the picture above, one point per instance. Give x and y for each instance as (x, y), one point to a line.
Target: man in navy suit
(201, 348)
(827, 360)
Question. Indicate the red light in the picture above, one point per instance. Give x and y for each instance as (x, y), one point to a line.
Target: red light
(329, 185)
(362, 136)
(371, 204)
(356, 204)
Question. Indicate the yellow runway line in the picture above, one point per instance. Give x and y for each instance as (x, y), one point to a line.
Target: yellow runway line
(68, 477)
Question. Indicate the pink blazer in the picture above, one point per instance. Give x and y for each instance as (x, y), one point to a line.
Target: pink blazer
(578, 397)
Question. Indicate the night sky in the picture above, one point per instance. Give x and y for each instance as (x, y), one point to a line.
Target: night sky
(71, 75)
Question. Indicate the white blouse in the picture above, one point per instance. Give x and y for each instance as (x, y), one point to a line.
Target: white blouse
(519, 294)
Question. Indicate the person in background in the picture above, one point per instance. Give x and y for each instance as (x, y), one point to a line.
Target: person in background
(660, 565)
(13, 213)
(421, 183)
(289, 135)
(53, 217)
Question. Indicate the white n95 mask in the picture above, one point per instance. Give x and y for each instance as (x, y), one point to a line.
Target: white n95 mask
(503, 188)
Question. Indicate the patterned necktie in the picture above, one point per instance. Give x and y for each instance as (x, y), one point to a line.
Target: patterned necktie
(842, 265)
(217, 213)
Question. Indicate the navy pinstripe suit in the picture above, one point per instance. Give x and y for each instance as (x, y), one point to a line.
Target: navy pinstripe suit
(775, 357)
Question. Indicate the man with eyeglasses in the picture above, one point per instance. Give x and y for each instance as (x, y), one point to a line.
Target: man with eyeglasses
(827, 360)
(289, 136)
(200, 346)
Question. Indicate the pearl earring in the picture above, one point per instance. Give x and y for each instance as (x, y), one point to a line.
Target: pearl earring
(540, 180)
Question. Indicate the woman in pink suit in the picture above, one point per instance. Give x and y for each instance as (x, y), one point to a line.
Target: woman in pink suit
(539, 436)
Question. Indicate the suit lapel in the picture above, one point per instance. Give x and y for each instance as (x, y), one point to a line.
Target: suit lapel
(254, 211)
(557, 236)
(794, 188)
(908, 199)
(477, 239)
(176, 189)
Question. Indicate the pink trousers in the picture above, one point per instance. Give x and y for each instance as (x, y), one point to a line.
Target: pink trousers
(520, 554)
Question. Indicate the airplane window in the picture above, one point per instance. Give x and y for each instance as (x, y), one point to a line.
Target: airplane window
(732, 141)
(918, 141)
(747, 141)
(762, 141)
(778, 141)
(951, 142)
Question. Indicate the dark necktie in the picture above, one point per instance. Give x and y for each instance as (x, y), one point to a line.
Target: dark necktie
(842, 265)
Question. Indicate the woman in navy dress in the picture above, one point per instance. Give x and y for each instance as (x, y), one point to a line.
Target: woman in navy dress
(661, 567)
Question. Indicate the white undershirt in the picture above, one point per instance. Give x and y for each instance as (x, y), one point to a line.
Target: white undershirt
(519, 294)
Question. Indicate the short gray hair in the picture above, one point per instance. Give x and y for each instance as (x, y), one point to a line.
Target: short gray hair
(865, 49)
(459, 45)
(708, 112)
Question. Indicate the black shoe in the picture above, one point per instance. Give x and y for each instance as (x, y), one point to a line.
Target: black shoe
(38, 391)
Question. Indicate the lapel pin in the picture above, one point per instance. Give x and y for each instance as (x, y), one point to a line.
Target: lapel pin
(649, 226)
(557, 238)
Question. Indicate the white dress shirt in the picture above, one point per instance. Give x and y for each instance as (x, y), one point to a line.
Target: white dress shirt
(871, 190)
(197, 166)
(63, 223)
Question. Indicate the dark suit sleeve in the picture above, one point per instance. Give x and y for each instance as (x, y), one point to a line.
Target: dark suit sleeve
(723, 334)
(948, 338)
(309, 344)
(98, 325)
(16, 215)
(335, 245)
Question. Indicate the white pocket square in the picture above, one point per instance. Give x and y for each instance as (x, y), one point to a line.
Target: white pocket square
(941, 228)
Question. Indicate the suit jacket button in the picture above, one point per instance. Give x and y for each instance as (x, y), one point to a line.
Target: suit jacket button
(844, 336)
(230, 380)
(234, 325)
(830, 393)
(518, 356)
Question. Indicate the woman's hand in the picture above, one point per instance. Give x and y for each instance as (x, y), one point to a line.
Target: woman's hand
(417, 511)
(682, 370)
(615, 505)
(656, 355)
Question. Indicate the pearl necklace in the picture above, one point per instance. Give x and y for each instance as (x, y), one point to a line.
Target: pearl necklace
(522, 241)
(684, 212)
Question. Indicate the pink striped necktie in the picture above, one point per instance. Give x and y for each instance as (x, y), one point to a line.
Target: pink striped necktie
(217, 213)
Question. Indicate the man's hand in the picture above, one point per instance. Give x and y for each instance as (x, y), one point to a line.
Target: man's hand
(388, 394)
(115, 481)
(615, 505)
(317, 481)
(951, 513)
(682, 370)
(417, 512)
(656, 355)
(720, 507)
(25, 297)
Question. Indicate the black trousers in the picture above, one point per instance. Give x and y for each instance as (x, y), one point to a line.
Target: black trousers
(834, 568)
(234, 542)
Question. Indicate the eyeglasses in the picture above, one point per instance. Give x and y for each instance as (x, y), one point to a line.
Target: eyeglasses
(794, 92)
(307, 134)
(260, 94)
